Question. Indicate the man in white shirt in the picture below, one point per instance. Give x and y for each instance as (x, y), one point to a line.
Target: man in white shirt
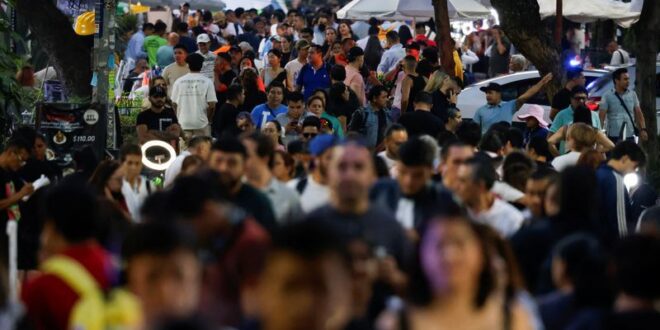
(619, 56)
(204, 42)
(475, 180)
(135, 187)
(293, 67)
(395, 136)
(393, 55)
(313, 189)
(194, 99)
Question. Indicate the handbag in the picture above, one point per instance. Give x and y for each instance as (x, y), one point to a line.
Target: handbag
(635, 129)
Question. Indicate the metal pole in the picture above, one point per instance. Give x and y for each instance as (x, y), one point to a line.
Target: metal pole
(104, 45)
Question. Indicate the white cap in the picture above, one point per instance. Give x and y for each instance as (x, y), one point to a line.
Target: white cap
(203, 38)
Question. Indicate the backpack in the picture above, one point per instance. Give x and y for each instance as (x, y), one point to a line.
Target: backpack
(95, 310)
(301, 185)
(358, 121)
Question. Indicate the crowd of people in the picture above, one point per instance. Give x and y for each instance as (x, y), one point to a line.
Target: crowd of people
(337, 186)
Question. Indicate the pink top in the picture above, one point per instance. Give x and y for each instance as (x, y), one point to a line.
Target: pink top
(353, 77)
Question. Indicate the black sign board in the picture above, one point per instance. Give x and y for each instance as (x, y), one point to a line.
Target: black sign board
(71, 127)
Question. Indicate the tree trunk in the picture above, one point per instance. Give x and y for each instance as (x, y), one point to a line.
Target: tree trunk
(522, 24)
(69, 53)
(443, 36)
(647, 30)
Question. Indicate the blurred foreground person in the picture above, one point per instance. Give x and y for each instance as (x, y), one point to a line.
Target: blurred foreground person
(306, 282)
(162, 270)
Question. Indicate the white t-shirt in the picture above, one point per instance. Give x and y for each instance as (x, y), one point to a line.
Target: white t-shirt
(405, 213)
(175, 168)
(135, 197)
(293, 68)
(502, 217)
(209, 64)
(192, 93)
(504, 191)
(389, 161)
(313, 196)
(564, 161)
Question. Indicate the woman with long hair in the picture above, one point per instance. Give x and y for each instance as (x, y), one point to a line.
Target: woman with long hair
(274, 72)
(107, 181)
(273, 129)
(330, 39)
(373, 51)
(287, 48)
(345, 31)
(460, 279)
(444, 91)
(253, 95)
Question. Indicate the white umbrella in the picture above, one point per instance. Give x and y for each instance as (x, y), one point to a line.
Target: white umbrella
(458, 9)
(583, 11)
(407, 9)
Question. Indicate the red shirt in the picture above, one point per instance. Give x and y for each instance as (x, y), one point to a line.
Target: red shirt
(49, 300)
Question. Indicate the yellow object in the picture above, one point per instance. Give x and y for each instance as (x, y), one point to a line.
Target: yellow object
(85, 24)
(458, 66)
(94, 311)
(139, 9)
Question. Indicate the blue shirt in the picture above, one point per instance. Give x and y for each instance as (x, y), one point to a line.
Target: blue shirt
(311, 79)
(134, 48)
(391, 57)
(261, 114)
(540, 132)
(488, 114)
(189, 43)
(165, 56)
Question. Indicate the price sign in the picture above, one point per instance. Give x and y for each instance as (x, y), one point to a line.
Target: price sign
(71, 127)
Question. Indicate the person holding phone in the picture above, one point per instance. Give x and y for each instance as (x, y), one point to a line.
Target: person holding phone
(292, 118)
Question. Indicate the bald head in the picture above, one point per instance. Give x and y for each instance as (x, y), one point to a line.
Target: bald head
(173, 39)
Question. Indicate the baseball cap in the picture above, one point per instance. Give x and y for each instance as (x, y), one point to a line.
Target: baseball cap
(302, 44)
(276, 38)
(203, 38)
(157, 91)
(491, 87)
(321, 143)
(533, 110)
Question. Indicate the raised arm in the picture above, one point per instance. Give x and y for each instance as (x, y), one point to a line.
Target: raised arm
(533, 90)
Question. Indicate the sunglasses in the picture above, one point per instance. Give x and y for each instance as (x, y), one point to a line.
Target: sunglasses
(309, 135)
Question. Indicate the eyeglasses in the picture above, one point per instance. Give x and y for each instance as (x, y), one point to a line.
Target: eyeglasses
(309, 135)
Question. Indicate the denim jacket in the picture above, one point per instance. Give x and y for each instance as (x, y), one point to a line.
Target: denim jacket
(368, 126)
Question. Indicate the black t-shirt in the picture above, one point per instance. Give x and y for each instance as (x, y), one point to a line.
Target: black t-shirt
(417, 86)
(420, 123)
(157, 121)
(257, 204)
(33, 169)
(562, 99)
(224, 120)
(425, 68)
(339, 108)
(441, 105)
(226, 79)
(376, 226)
(253, 99)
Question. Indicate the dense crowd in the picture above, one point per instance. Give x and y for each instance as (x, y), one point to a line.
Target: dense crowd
(326, 180)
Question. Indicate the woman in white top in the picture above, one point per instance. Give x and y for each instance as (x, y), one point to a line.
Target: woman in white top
(580, 138)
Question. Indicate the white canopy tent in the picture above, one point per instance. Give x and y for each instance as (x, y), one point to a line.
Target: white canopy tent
(583, 11)
(407, 9)
(257, 4)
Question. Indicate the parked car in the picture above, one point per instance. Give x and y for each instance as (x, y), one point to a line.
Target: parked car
(605, 83)
(513, 85)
